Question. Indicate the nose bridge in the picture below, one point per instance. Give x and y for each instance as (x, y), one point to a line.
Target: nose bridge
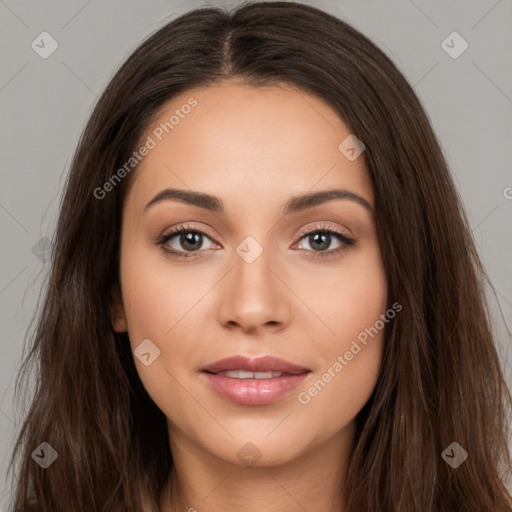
(252, 295)
(252, 278)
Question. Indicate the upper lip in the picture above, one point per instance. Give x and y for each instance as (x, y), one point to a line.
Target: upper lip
(259, 364)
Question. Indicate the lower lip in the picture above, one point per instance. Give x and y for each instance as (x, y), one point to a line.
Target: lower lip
(253, 391)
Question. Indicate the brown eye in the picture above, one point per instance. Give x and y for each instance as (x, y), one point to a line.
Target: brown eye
(184, 240)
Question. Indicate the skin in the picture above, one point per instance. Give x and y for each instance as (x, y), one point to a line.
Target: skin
(254, 148)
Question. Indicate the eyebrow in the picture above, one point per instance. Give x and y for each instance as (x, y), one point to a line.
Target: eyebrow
(294, 204)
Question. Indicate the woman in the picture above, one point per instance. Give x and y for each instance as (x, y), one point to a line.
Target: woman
(264, 292)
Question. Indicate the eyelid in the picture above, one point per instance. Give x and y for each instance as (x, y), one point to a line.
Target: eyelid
(187, 226)
(346, 239)
(318, 227)
(303, 232)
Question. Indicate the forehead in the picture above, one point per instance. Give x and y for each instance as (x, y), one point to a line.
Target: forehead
(243, 143)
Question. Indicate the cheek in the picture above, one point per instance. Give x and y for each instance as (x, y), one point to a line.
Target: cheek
(351, 350)
(338, 393)
(346, 298)
(156, 294)
(163, 303)
(362, 295)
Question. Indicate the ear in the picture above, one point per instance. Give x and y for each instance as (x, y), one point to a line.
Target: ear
(117, 315)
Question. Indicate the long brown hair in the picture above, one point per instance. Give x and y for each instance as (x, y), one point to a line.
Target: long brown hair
(440, 380)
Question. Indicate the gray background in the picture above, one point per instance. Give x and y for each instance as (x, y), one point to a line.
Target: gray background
(44, 104)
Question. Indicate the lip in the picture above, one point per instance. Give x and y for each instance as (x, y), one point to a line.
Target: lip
(259, 364)
(254, 391)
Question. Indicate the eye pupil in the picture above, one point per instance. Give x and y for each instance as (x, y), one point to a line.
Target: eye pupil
(187, 241)
(323, 239)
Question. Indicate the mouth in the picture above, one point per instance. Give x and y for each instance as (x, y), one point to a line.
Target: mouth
(260, 381)
(243, 374)
(245, 365)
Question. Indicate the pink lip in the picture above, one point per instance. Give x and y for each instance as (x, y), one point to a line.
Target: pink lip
(260, 364)
(254, 391)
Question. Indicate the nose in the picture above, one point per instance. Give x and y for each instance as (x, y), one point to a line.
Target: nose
(253, 295)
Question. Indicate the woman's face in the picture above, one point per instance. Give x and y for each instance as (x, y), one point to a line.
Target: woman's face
(259, 281)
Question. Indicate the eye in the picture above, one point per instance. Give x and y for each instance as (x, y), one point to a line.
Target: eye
(186, 240)
(191, 239)
(321, 239)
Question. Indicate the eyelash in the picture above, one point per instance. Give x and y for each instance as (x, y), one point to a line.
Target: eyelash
(346, 241)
